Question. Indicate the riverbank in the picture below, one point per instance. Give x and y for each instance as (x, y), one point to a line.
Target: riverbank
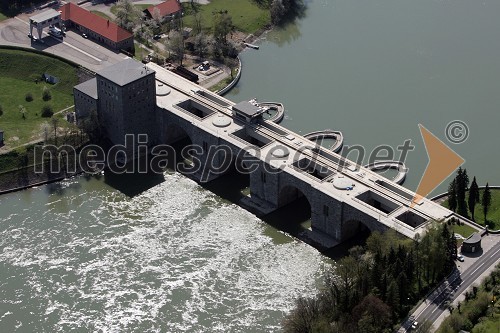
(493, 216)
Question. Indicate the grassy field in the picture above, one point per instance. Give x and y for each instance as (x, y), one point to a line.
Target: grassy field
(463, 230)
(101, 14)
(247, 16)
(493, 214)
(140, 53)
(113, 8)
(18, 71)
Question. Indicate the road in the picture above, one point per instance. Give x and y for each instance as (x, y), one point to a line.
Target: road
(73, 47)
(451, 289)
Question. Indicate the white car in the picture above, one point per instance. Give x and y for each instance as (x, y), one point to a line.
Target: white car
(460, 258)
(414, 325)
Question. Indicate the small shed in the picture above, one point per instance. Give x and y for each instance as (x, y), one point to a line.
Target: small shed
(247, 111)
(49, 78)
(472, 244)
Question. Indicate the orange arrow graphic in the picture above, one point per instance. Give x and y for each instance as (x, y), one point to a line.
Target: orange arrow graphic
(442, 162)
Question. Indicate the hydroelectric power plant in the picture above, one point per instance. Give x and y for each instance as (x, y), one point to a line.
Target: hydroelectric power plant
(345, 198)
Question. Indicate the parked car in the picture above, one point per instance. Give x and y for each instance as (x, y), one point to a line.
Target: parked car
(84, 35)
(460, 258)
(414, 325)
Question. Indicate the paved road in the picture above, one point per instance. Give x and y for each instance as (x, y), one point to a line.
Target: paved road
(74, 47)
(452, 288)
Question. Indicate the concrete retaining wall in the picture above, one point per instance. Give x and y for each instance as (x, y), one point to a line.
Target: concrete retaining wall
(233, 83)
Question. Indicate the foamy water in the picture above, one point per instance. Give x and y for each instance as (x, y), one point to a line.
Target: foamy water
(176, 258)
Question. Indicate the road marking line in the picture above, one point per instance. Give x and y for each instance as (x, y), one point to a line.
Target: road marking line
(494, 253)
(474, 271)
(65, 43)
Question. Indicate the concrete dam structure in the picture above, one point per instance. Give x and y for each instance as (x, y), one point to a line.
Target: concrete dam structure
(283, 166)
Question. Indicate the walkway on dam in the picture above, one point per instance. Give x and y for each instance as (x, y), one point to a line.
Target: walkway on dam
(366, 192)
(385, 165)
(328, 134)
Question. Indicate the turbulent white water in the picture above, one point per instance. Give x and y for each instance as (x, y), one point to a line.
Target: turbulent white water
(174, 259)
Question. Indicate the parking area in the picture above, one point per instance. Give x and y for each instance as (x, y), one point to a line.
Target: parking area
(73, 46)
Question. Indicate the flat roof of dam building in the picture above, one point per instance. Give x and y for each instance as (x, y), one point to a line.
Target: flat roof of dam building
(125, 72)
(370, 192)
(247, 109)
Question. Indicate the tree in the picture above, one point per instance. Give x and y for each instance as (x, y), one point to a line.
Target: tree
(127, 15)
(47, 111)
(462, 182)
(278, 11)
(28, 97)
(486, 202)
(200, 44)
(55, 122)
(1, 110)
(473, 197)
(46, 95)
(156, 17)
(176, 45)
(223, 25)
(371, 315)
(22, 109)
(145, 33)
(341, 283)
(392, 298)
(198, 21)
(283, 10)
(301, 318)
(451, 245)
(452, 195)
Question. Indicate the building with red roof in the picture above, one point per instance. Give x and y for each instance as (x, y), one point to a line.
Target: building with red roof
(166, 9)
(96, 27)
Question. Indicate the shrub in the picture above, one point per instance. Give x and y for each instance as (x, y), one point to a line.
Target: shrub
(29, 97)
(46, 94)
(47, 111)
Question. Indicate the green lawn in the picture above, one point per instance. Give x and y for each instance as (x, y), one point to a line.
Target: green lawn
(143, 7)
(463, 230)
(101, 14)
(18, 69)
(493, 214)
(140, 53)
(139, 7)
(247, 16)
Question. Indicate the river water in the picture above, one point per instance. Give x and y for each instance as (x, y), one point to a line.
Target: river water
(375, 69)
(114, 254)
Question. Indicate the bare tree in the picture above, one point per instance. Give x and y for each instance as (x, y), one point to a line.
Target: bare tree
(127, 15)
(55, 122)
(200, 44)
(176, 45)
(22, 109)
(197, 23)
(156, 16)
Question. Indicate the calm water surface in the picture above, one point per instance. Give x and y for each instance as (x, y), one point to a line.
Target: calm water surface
(375, 69)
